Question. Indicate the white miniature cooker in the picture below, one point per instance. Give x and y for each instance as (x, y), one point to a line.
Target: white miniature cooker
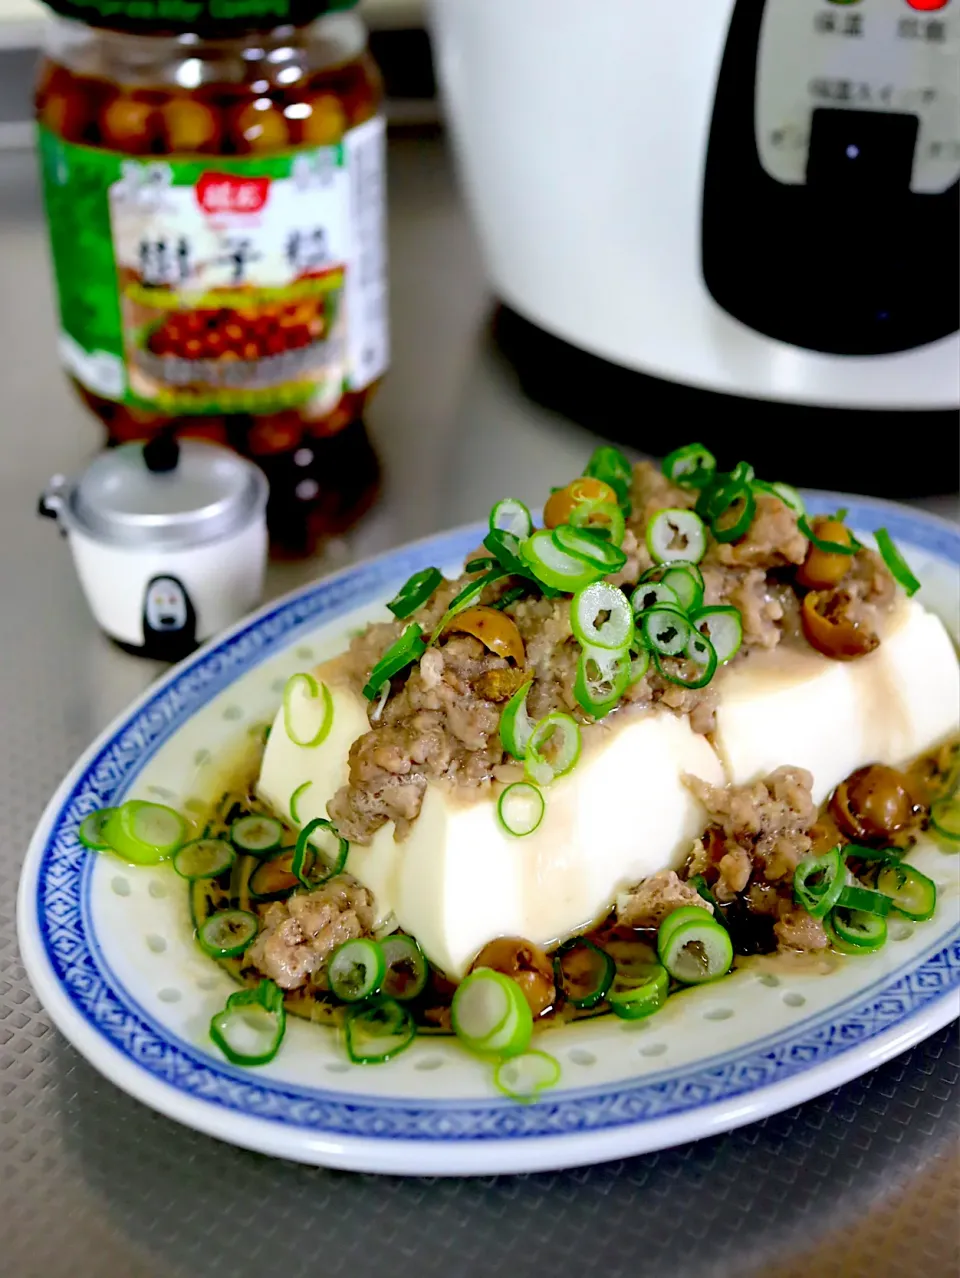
(169, 541)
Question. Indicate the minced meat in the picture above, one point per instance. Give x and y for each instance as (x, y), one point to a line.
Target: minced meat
(441, 718)
(298, 935)
(649, 903)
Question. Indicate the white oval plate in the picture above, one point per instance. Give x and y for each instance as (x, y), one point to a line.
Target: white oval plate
(109, 951)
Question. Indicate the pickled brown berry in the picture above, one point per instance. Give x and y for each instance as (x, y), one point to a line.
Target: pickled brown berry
(260, 126)
(326, 123)
(190, 126)
(128, 124)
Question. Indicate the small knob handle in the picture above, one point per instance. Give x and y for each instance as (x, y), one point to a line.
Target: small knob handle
(162, 453)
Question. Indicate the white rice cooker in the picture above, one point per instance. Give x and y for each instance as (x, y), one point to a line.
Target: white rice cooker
(756, 198)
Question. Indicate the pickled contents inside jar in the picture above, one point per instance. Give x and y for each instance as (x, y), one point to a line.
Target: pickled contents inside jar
(202, 224)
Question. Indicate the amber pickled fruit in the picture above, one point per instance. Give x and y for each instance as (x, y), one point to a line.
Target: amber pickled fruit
(822, 569)
(326, 122)
(874, 803)
(831, 627)
(259, 126)
(561, 504)
(189, 125)
(496, 631)
(131, 123)
(527, 964)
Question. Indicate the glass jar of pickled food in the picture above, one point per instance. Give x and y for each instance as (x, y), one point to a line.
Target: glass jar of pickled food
(216, 217)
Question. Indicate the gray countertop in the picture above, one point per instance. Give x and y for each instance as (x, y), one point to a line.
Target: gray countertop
(864, 1180)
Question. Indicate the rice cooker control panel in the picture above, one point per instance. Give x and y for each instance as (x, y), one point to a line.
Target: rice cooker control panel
(862, 91)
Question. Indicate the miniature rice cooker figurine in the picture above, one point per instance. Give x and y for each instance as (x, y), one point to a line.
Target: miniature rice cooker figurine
(169, 540)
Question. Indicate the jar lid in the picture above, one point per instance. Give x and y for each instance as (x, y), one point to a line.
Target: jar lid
(199, 494)
(209, 18)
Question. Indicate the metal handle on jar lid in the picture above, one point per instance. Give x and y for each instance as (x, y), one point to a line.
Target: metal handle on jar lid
(51, 501)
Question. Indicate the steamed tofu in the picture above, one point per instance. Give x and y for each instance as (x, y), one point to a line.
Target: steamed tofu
(795, 706)
(458, 880)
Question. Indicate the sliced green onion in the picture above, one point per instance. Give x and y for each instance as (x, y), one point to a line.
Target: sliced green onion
(665, 630)
(855, 931)
(861, 853)
(256, 834)
(251, 1026)
(520, 808)
(382, 698)
(651, 593)
(588, 545)
(600, 517)
(945, 817)
(854, 897)
(227, 933)
(818, 882)
(511, 516)
(700, 883)
(692, 466)
(788, 495)
(700, 651)
(378, 1031)
(509, 596)
(274, 877)
(686, 581)
(490, 1015)
(743, 473)
(295, 798)
(307, 710)
(829, 547)
(564, 752)
(899, 568)
(603, 676)
(616, 630)
(557, 567)
(407, 969)
(516, 726)
(639, 664)
(311, 866)
(356, 969)
(467, 597)
(415, 592)
(676, 534)
(522, 1077)
(636, 996)
(610, 465)
(505, 548)
(679, 918)
(911, 893)
(583, 971)
(144, 833)
(204, 859)
(483, 564)
(408, 648)
(732, 511)
(695, 951)
(723, 626)
(91, 832)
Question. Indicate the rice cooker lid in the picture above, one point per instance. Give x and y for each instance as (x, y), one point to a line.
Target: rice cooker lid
(165, 495)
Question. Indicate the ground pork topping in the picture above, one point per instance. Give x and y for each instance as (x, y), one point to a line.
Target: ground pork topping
(298, 935)
(441, 719)
(761, 827)
(649, 903)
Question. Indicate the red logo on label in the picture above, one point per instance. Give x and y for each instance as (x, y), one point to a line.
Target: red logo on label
(228, 193)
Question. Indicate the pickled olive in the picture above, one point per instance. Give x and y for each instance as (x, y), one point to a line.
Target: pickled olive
(494, 629)
(873, 803)
(190, 126)
(130, 124)
(822, 569)
(561, 504)
(260, 126)
(831, 627)
(326, 122)
(525, 963)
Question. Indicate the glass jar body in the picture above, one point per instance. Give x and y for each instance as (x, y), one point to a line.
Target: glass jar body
(217, 222)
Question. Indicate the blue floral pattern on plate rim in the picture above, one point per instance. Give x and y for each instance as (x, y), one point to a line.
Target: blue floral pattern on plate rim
(99, 998)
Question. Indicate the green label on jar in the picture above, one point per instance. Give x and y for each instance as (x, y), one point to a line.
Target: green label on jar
(213, 285)
(205, 17)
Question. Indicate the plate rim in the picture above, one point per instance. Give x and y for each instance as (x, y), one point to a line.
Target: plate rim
(437, 1155)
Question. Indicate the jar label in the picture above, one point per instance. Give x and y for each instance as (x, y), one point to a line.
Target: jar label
(221, 285)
